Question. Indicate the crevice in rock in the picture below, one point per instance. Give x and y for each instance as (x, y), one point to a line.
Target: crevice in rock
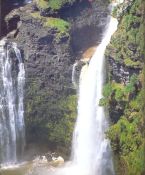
(6, 7)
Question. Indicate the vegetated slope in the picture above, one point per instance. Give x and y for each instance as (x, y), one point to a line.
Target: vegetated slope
(124, 93)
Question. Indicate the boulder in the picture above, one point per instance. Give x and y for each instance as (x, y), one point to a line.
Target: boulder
(57, 161)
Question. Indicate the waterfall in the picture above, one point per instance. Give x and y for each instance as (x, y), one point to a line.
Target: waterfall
(91, 150)
(27, 1)
(12, 128)
(74, 81)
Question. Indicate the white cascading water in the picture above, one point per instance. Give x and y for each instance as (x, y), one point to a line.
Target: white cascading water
(73, 75)
(91, 152)
(27, 1)
(12, 127)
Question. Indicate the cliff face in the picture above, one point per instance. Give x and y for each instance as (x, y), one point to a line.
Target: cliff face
(51, 39)
(48, 58)
(49, 47)
(5, 8)
(124, 92)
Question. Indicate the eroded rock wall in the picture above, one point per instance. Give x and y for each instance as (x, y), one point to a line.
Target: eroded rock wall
(49, 51)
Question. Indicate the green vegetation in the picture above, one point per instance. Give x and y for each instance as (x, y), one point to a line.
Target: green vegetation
(127, 138)
(129, 63)
(53, 4)
(61, 25)
(128, 143)
(43, 4)
(128, 48)
(127, 133)
(53, 123)
(118, 91)
(60, 132)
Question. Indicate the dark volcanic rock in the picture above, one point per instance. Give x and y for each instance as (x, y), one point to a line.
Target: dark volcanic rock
(49, 60)
(119, 72)
(88, 21)
(6, 7)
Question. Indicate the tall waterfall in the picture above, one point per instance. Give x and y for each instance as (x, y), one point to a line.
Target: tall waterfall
(91, 150)
(12, 79)
(91, 153)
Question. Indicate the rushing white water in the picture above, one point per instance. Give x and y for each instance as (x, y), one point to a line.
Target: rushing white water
(12, 128)
(74, 76)
(91, 152)
(27, 1)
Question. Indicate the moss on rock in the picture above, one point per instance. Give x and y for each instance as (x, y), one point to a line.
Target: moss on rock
(59, 24)
(54, 5)
(127, 43)
(126, 98)
(53, 123)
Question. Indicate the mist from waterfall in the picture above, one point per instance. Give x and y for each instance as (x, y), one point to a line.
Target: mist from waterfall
(12, 80)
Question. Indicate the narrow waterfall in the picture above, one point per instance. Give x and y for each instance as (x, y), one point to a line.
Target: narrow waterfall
(27, 1)
(91, 150)
(74, 76)
(12, 128)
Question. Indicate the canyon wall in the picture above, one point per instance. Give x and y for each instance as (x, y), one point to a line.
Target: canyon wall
(124, 90)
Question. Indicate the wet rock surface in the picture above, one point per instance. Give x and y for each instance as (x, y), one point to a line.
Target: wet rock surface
(49, 59)
(119, 72)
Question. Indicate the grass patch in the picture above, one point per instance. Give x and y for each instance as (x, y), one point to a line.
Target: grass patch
(59, 24)
(54, 5)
